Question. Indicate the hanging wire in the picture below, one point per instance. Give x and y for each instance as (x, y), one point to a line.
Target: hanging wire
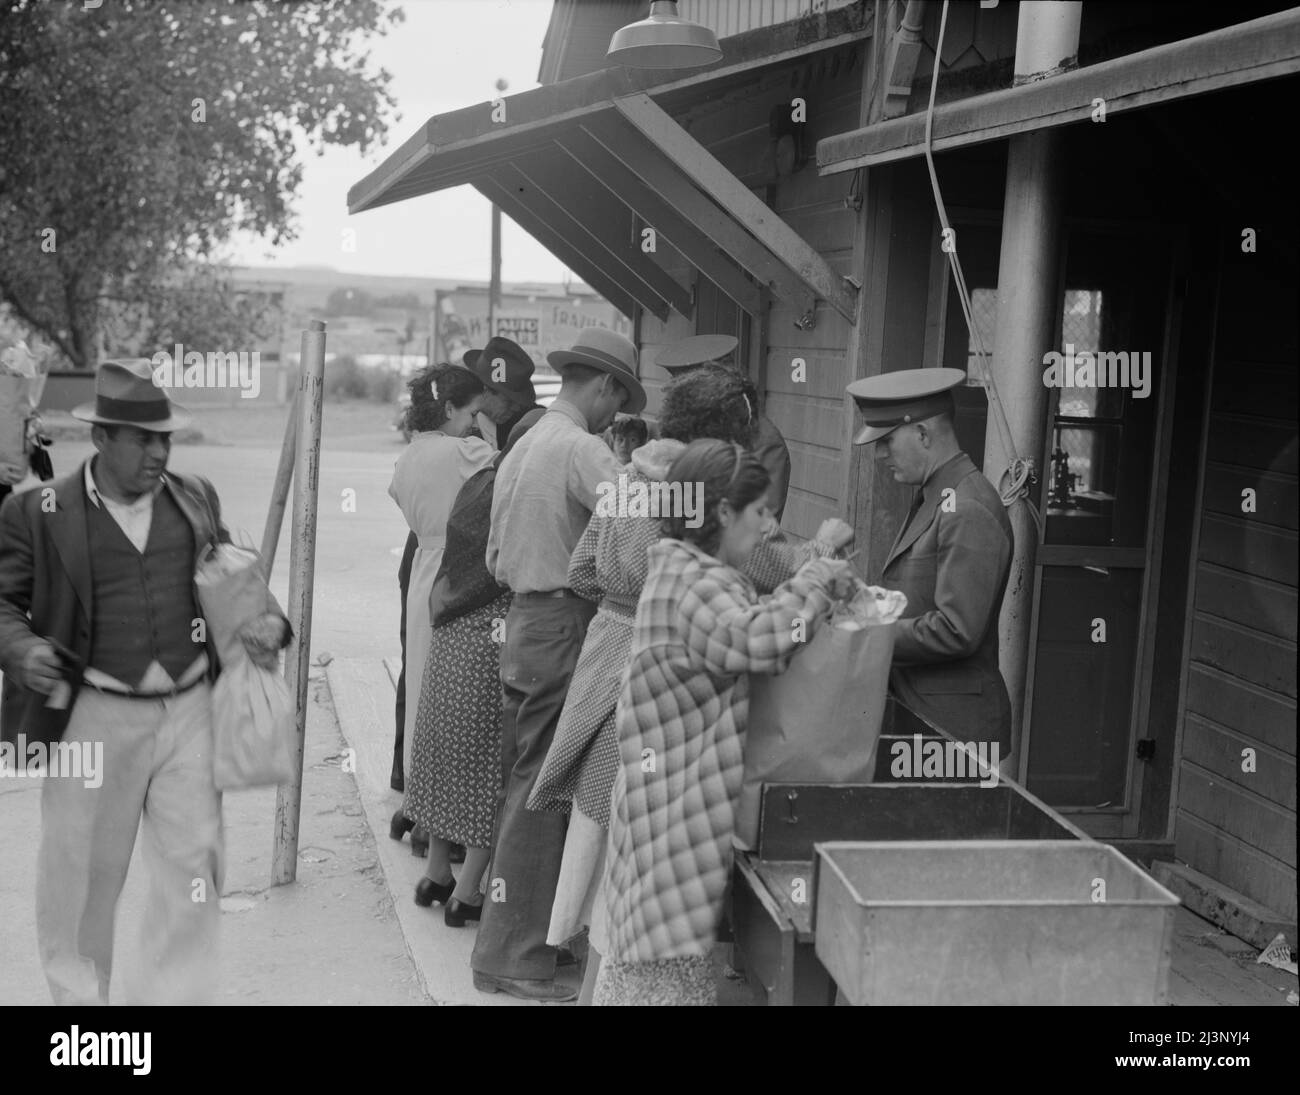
(1019, 472)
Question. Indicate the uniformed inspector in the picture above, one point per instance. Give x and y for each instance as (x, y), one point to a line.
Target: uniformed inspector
(952, 556)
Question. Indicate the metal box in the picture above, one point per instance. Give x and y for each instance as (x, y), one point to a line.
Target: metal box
(985, 922)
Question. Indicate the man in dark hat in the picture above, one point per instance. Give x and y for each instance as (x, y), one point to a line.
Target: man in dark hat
(104, 654)
(769, 446)
(506, 370)
(546, 489)
(951, 558)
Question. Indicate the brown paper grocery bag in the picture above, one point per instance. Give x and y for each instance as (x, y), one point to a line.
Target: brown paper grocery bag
(818, 722)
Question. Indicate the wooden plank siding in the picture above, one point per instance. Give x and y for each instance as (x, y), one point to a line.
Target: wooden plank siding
(1239, 826)
(812, 414)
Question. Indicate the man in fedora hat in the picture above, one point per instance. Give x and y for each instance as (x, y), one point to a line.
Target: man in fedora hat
(102, 652)
(769, 446)
(951, 558)
(546, 489)
(506, 370)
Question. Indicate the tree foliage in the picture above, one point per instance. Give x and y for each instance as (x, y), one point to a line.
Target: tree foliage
(137, 137)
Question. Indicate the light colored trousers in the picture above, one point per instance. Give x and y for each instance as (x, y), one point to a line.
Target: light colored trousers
(157, 764)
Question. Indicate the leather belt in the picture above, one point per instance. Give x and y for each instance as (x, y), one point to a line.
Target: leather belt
(128, 695)
(547, 594)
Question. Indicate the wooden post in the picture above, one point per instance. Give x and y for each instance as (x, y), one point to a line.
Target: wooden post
(280, 489)
(1029, 307)
(302, 563)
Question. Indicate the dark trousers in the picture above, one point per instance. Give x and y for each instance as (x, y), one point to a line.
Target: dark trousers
(404, 581)
(543, 640)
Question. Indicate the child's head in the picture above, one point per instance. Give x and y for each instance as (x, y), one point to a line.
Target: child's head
(726, 487)
(627, 435)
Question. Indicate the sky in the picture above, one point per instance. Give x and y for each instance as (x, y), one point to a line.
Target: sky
(448, 54)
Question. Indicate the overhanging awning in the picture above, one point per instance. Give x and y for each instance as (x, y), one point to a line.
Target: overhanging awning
(1261, 49)
(586, 164)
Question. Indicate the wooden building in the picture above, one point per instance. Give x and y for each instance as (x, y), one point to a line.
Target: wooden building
(783, 195)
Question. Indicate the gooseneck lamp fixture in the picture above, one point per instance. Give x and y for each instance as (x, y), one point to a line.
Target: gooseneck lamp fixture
(663, 40)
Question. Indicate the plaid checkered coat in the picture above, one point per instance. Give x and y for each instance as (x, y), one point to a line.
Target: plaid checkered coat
(700, 629)
(610, 564)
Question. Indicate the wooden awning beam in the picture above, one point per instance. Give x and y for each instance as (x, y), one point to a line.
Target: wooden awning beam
(600, 224)
(1262, 49)
(589, 155)
(564, 250)
(703, 169)
(715, 223)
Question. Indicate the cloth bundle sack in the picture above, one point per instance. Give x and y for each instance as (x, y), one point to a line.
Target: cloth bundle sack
(253, 715)
(15, 407)
(819, 721)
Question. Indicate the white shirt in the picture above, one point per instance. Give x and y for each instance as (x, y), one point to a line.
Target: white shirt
(135, 520)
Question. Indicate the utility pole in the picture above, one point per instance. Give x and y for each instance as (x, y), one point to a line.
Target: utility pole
(494, 285)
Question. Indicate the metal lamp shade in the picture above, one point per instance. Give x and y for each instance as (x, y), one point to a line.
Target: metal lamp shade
(663, 40)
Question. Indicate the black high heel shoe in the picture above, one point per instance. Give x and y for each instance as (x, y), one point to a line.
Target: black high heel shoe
(456, 912)
(427, 891)
(400, 825)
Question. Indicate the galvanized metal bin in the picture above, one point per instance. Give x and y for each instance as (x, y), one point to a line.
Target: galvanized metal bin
(991, 922)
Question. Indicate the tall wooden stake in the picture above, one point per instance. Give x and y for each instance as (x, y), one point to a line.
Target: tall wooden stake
(280, 489)
(302, 565)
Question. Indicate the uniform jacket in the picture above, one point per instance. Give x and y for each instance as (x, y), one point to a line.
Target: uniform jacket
(952, 562)
(700, 629)
(45, 585)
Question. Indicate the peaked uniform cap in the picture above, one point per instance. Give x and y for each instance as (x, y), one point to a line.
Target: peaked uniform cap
(696, 350)
(126, 394)
(896, 399)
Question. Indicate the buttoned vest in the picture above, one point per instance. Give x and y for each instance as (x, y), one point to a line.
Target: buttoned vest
(144, 607)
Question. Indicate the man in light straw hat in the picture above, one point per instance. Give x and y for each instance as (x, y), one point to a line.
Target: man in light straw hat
(102, 653)
(951, 558)
(769, 446)
(546, 489)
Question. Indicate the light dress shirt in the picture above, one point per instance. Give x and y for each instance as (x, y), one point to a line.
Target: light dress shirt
(545, 490)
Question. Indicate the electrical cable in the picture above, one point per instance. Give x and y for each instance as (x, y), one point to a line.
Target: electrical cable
(1019, 472)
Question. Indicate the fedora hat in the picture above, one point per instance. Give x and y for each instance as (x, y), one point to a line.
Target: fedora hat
(696, 350)
(126, 395)
(504, 354)
(606, 350)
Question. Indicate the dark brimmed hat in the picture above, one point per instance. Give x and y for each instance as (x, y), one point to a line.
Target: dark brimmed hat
(504, 353)
(896, 399)
(696, 350)
(606, 350)
(126, 395)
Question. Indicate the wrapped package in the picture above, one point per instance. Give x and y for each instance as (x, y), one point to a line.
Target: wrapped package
(21, 384)
(819, 721)
(253, 716)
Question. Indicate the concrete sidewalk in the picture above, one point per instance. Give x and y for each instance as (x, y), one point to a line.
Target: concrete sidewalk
(1208, 966)
(363, 693)
(332, 937)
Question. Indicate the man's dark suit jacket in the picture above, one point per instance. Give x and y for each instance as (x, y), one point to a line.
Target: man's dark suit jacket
(45, 571)
(952, 562)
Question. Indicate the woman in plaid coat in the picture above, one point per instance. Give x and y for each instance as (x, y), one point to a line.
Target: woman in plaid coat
(700, 628)
(609, 565)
